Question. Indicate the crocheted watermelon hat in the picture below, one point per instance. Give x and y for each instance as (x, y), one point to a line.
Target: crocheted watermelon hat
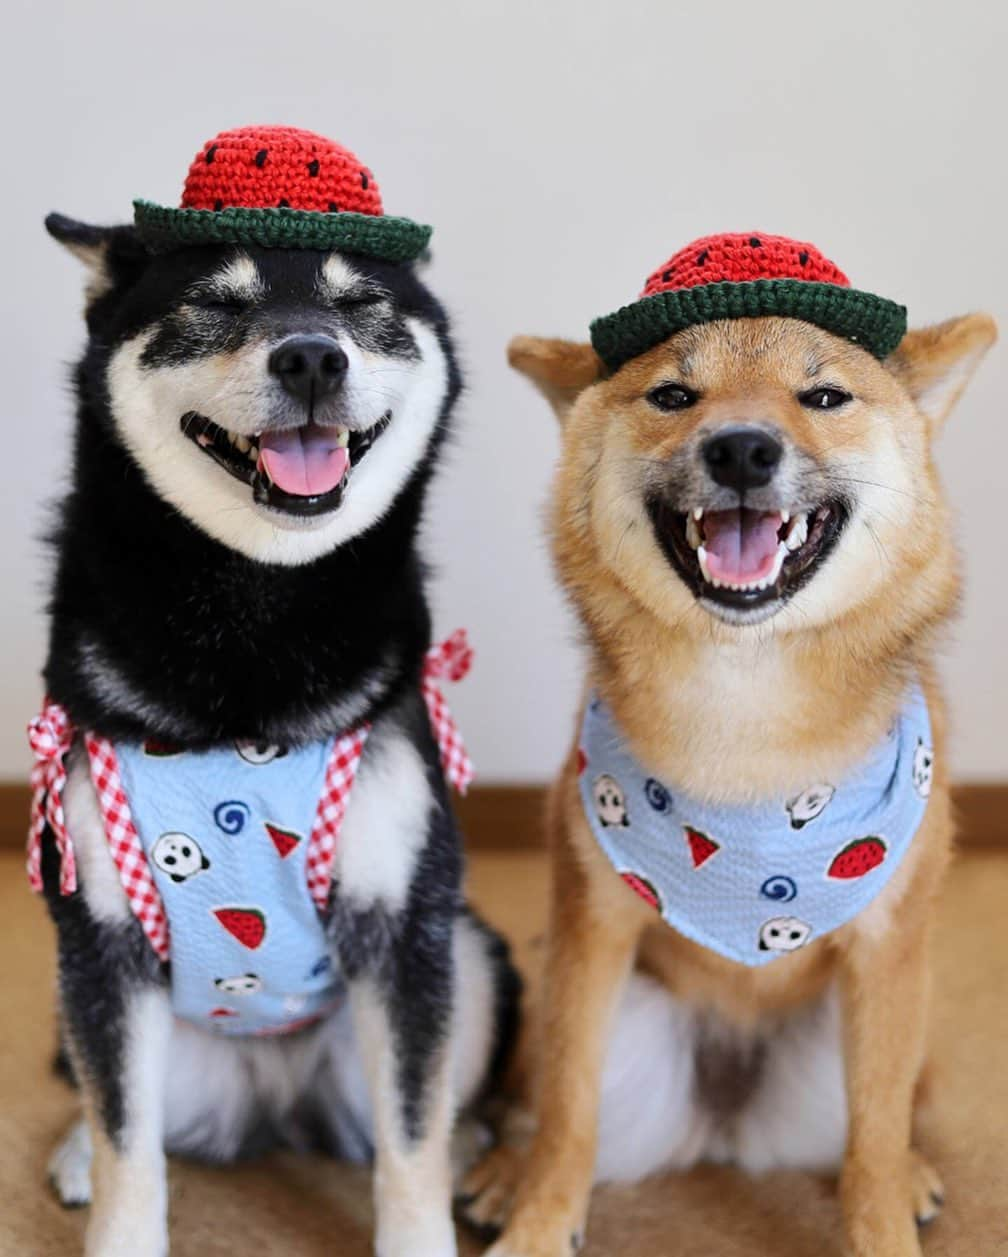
(747, 276)
(282, 188)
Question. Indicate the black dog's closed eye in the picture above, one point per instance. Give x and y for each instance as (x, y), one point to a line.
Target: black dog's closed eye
(231, 306)
(670, 397)
(824, 398)
(358, 297)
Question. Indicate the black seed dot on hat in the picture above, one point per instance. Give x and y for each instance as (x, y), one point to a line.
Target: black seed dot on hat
(208, 156)
(364, 180)
(313, 167)
(283, 203)
(260, 158)
(333, 207)
(803, 258)
(756, 242)
(666, 277)
(701, 258)
(218, 204)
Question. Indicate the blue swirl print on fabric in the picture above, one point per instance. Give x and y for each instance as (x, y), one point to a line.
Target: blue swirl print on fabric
(780, 888)
(657, 795)
(232, 816)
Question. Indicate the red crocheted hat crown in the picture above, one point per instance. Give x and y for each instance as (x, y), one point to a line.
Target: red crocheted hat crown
(747, 275)
(280, 187)
(737, 258)
(279, 168)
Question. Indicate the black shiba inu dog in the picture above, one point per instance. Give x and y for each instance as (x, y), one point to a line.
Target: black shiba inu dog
(237, 563)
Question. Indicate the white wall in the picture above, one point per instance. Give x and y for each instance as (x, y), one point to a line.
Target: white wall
(562, 150)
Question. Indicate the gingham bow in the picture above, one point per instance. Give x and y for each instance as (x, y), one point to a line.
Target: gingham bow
(451, 660)
(50, 735)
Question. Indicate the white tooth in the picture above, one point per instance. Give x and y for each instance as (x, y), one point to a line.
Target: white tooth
(776, 569)
(704, 571)
(253, 453)
(693, 535)
(343, 438)
(243, 443)
(785, 516)
(797, 533)
(698, 513)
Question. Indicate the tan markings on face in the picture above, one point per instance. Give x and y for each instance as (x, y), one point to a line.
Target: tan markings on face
(752, 370)
(872, 452)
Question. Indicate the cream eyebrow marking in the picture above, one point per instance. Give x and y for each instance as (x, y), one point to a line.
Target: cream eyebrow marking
(238, 279)
(337, 279)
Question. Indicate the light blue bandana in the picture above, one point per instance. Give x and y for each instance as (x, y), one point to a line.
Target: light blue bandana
(226, 835)
(754, 882)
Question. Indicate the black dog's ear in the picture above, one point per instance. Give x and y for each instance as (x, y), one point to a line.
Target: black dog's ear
(112, 254)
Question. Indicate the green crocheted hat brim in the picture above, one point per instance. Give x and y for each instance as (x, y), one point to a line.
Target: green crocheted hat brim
(872, 322)
(390, 239)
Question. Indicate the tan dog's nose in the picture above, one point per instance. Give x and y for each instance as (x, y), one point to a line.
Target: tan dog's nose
(742, 458)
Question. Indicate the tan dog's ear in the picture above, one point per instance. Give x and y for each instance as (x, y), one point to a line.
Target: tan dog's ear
(936, 363)
(560, 369)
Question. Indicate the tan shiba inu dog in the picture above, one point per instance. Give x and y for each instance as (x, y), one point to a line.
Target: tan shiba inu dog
(748, 520)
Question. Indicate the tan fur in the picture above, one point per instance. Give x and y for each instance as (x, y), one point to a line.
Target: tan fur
(813, 688)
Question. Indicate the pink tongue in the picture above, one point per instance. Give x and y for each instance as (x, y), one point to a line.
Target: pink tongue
(741, 545)
(304, 461)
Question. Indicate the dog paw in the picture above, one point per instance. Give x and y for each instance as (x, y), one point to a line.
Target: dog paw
(551, 1239)
(415, 1236)
(927, 1192)
(70, 1168)
(487, 1191)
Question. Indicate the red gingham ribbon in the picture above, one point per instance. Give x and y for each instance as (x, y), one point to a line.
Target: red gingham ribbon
(50, 735)
(124, 844)
(340, 773)
(451, 660)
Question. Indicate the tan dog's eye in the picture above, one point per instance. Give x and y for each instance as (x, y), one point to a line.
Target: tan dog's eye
(671, 397)
(824, 398)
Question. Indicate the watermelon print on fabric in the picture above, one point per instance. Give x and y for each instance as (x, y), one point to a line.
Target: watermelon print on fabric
(721, 875)
(226, 841)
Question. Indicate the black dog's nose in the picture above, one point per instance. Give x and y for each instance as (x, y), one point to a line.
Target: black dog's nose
(309, 367)
(742, 458)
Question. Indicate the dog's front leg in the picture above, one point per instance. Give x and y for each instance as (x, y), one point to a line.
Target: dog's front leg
(885, 982)
(403, 1019)
(596, 924)
(117, 1022)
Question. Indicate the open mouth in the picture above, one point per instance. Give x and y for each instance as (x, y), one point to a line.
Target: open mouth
(302, 471)
(743, 558)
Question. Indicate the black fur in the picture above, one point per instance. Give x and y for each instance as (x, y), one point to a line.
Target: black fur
(158, 631)
(93, 1007)
(214, 645)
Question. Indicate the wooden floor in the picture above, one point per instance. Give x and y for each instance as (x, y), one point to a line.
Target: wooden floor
(306, 1207)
